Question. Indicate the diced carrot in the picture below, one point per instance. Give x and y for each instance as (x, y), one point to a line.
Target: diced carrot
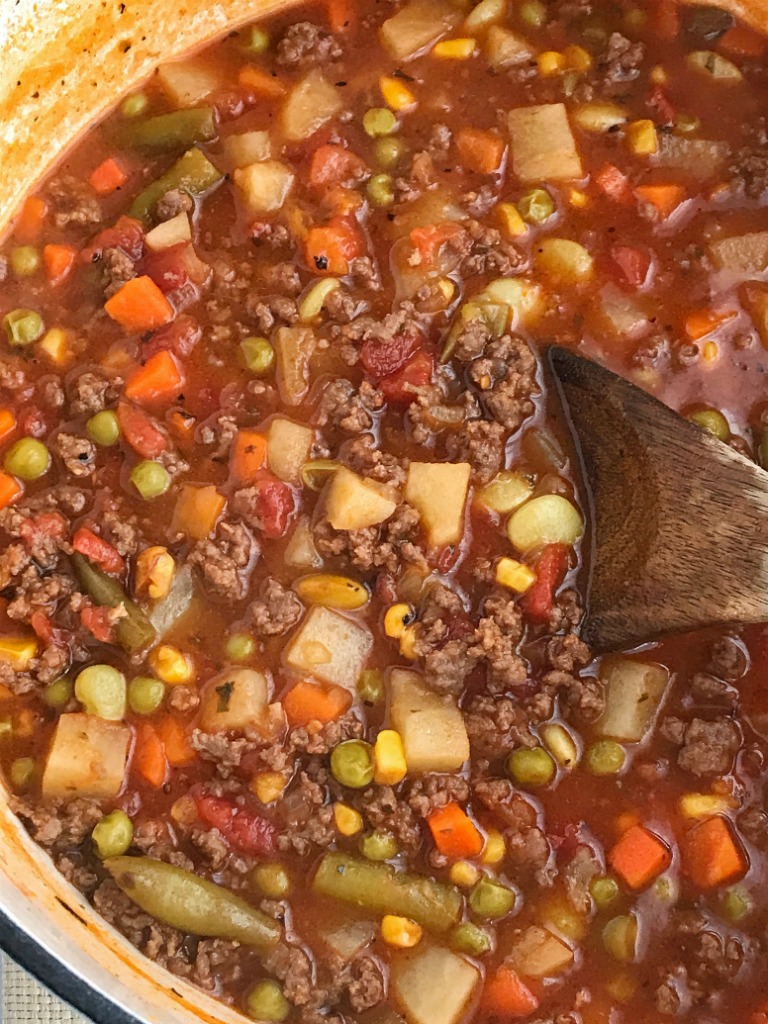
(149, 758)
(108, 177)
(178, 749)
(665, 199)
(29, 227)
(638, 857)
(742, 41)
(712, 855)
(506, 995)
(341, 15)
(140, 306)
(454, 832)
(98, 550)
(480, 151)
(158, 379)
(705, 321)
(7, 423)
(665, 18)
(183, 423)
(59, 261)
(333, 165)
(261, 82)
(249, 455)
(613, 182)
(310, 702)
(10, 489)
(197, 511)
(430, 239)
(328, 249)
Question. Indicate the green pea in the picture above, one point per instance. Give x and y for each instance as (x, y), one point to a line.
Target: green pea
(604, 891)
(113, 835)
(713, 421)
(145, 694)
(240, 647)
(25, 260)
(23, 326)
(134, 105)
(389, 151)
(665, 890)
(470, 938)
(536, 206)
(533, 13)
(379, 190)
(266, 1001)
(736, 904)
(352, 764)
(256, 41)
(101, 690)
(103, 428)
(258, 354)
(533, 767)
(370, 686)
(59, 693)
(272, 880)
(379, 846)
(604, 757)
(28, 459)
(151, 479)
(22, 772)
(620, 938)
(490, 899)
(379, 121)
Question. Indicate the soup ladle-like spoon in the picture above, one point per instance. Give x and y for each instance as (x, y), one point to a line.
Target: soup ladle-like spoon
(678, 523)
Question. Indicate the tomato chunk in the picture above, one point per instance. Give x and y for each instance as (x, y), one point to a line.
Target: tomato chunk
(242, 829)
(140, 431)
(538, 600)
(400, 387)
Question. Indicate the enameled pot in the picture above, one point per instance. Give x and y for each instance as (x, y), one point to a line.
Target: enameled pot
(64, 62)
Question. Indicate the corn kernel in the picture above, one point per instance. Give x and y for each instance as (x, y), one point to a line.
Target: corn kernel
(400, 931)
(464, 874)
(348, 821)
(389, 758)
(514, 575)
(171, 665)
(577, 59)
(709, 351)
(446, 288)
(408, 643)
(184, 811)
(454, 49)
(560, 744)
(55, 344)
(495, 847)
(331, 591)
(396, 619)
(704, 805)
(658, 75)
(268, 786)
(17, 651)
(641, 137)
(511, 221)
(396, 93)
(577, 198)
(312, 304)
(550, 63)
(621, 988)
(155, 569)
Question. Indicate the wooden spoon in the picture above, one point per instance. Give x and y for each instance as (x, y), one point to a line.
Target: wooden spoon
(679, 521)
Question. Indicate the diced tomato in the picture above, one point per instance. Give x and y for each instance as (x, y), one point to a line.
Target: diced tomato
(98, 550)
(42, 625)
(551, 568)
(98, 621)
(180, 337)
(660, 104)
(633, 263)
(127, 234)
(173, 268)
(47, 524)
(382, 357)
(334, 165)
(329, 249)
(242, 829)
(140, 431)
(613, 182)
(274, 504)
(399, 387)
(429, 240)
(33, 421)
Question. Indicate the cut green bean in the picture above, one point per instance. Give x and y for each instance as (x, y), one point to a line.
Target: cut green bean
(379, 846)
(192, 173)
(134, 631)
(169, 131)
(470, 938)
(23, 327)
(490, 899)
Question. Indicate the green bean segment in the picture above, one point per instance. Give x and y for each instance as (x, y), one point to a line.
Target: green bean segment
(23, 327)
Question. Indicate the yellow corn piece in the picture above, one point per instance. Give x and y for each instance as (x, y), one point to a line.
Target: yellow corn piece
(454, 49)
(184, 811)
(709, 351)
(464, 874)
(514, 575)
(658, 75)
(396, 93)
(17, 651)
(171, 665)
(400, 931)
(55, 344)
(268, 786)
(312, 303)
(621, 988)
(577, 198)
(577, 59)
(155, 569)
(396, 619)
(331, 591)
(560, 744)
(446, 287)
(550, 63)
(389, 758)
(641, 137)
(512, 223)
(408, 643)
(704, 805)
(495, 847)
(348, 821)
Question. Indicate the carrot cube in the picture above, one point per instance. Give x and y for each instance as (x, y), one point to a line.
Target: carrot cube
(638, 857)
(712, 855)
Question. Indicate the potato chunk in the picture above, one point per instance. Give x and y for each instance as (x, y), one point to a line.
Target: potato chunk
(238, 699)
(188, 82)
(744, 255)
(540, 954)
(439, 491)
(329, 647)
(288, 447)
(433, 985)
(505, 48)
(634, 691)
(543, 147)
(264, 186)
(416, 26)
(430, 725)
(87, 758)
(312, 102)
(353, 503)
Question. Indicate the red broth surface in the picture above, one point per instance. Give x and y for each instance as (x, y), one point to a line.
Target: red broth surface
(292, 683)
